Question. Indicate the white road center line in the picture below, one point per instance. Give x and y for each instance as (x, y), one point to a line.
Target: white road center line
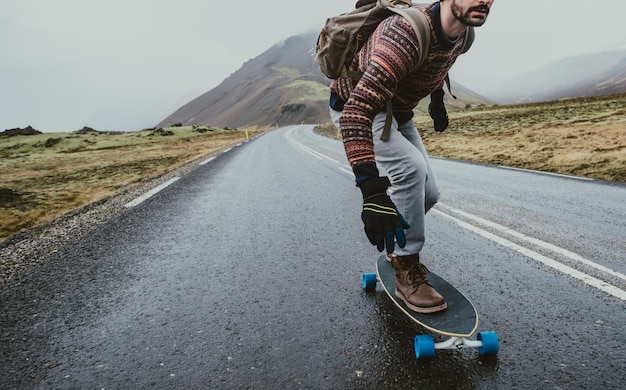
(347, 171)
(312, 152)
(572, 272)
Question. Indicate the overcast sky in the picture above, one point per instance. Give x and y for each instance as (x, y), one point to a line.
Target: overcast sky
(127, 64)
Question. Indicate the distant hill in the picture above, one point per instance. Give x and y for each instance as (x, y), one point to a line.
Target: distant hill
(593, 74)
(282, 86)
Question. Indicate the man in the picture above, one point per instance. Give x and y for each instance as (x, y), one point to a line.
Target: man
(395, 177)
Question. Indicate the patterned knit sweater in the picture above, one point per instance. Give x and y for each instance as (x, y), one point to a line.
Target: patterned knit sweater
(387, 61)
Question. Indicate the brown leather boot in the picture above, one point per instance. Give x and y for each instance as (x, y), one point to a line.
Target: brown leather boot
(412, 285)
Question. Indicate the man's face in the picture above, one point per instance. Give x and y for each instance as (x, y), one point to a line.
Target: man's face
(471, 12)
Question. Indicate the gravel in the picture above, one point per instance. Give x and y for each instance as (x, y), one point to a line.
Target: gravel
(33, 246)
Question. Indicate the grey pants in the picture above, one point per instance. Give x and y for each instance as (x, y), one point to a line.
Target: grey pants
(404, 160)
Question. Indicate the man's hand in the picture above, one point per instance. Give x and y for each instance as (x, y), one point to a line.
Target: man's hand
(437, 110)
(440, 117)
(383, 223)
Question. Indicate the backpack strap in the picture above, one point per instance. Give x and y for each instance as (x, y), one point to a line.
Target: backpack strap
(420, 25)
(467, 43)
(469, 39)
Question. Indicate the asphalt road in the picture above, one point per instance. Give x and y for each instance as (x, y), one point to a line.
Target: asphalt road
(246, 273)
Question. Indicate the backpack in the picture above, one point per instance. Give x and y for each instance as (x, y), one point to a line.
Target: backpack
(343, 35)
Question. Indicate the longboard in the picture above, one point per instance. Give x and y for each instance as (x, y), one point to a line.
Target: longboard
(458, 321)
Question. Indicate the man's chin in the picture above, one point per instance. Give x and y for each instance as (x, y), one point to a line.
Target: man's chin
(476, 21)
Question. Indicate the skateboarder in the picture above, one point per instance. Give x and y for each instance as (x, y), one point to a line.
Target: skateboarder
(395, 177)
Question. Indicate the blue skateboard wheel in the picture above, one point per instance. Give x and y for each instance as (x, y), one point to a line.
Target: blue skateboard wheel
(491, 345)
(424, 346)
(369, 281)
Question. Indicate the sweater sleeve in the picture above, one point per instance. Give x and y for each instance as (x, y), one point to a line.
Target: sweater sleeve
(389, 56)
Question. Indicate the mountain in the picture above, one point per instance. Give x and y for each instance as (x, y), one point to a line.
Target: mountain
(282, 86)
(592, 74)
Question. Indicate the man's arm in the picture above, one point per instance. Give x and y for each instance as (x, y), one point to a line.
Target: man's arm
(390, 56)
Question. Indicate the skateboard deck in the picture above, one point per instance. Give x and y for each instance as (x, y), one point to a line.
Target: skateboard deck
(459, 319)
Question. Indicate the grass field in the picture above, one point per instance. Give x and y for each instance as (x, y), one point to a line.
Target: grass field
(44, 176)
(583, 137)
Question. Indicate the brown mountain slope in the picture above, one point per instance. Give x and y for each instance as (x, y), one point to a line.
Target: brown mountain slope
(282, 86)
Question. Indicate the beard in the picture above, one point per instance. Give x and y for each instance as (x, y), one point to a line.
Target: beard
(465, 17)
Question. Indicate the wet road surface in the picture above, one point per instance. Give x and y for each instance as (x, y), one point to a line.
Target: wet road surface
(246, 274)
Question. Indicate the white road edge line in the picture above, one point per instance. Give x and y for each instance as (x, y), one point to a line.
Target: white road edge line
(589, 280)
(547, 173)
(223, 151)
(535, 241)
(208, 160)
(150, 193)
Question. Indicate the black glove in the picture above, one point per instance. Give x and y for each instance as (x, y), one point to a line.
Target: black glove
(437, 110)
(383, 223)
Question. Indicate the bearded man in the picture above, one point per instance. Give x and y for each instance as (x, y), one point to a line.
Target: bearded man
(394, 175)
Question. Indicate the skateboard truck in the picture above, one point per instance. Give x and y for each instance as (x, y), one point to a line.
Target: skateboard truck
(487, 344)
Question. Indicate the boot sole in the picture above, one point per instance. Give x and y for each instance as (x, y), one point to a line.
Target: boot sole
(422, 310)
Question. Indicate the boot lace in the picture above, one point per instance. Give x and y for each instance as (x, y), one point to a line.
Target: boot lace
(416, 275)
